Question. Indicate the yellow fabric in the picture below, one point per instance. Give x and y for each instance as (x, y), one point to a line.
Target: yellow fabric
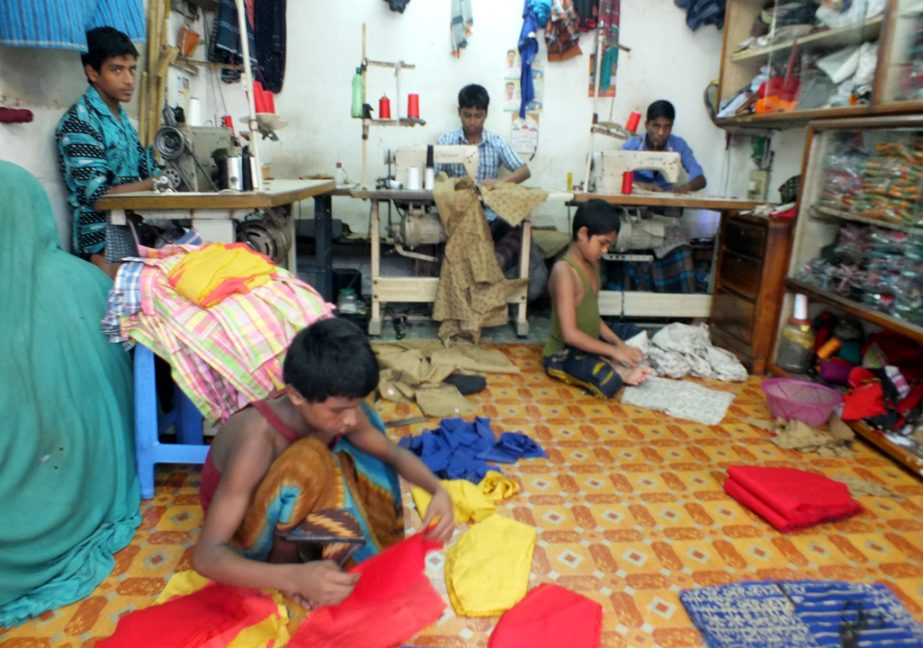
(496, 487)
(487, 570)
(210, 274)
(468, 502)
(271, 632)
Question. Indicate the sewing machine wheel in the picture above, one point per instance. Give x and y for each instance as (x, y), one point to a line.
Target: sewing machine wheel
(170, 142)
(266, 236)
(171, 173)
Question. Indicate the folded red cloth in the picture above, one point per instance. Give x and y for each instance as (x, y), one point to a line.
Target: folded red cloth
(550, 616)
(211, 616)
(790, 499)
(392, 600)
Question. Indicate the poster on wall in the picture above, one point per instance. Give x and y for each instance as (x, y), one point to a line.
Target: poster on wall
(524, 134)
(512, 93)
(513, 65)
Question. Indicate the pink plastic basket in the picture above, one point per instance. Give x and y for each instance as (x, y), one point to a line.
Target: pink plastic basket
(806, 401)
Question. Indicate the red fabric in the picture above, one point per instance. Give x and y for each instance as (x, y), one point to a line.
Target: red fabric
(911, 400)
(208, 618)
(550, 616)
(393, 600)
(15, 116)
(866, 398)
(902, 352)
(790, 499)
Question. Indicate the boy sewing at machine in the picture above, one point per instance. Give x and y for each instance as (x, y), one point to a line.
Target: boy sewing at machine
(99, 151)
(658, 136)
(493, 152)
(582, 349)
(313, 457)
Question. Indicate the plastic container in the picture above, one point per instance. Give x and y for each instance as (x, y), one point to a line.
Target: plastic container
(796, 340)
(357, 94)
(790, 398)
(347, 302)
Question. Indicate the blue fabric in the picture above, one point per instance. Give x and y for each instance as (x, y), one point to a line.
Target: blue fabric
(674, 143)
(96, 151)
(63, 25)
(805, 613)
(493, 151)
(457, 449)
(534, 17)
(511, 447)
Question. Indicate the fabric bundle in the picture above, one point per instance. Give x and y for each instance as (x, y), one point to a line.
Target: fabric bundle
(680, 398)
(790, 499)
(218, 270)
(549, 617)
(678, 350)
(459, 450)
(470, 502)
(807, 614)
(392, 600)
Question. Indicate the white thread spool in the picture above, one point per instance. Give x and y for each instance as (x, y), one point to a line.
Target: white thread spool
(235, 177)
(429, 179)
(194, 116)
(413, 179)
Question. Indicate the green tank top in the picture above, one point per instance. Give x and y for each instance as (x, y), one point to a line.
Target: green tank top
(587, 313)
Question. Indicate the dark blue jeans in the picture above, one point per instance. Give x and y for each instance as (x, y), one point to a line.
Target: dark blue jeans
(589, 371)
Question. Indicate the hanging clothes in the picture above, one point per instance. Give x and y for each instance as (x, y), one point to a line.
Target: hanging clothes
(562, 33)
(534, 16)
(587, 13)
(63, 25)
(609, 18)
(460, 26)
(705, 12)
(269, 39)
(224, 44)
(68, 482)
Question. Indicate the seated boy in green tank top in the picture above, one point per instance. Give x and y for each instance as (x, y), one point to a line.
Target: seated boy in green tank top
(582, 349)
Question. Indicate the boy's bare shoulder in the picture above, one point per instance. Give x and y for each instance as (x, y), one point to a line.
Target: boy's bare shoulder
(246, 430)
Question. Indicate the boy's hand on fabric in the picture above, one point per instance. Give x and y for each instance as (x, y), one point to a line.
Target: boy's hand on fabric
(439, 521)
(321, 582)
(628, 355)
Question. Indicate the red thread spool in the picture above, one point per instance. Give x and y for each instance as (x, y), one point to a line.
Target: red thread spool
(413, 106)
(384, 108)
(628, 177)
(633, 120)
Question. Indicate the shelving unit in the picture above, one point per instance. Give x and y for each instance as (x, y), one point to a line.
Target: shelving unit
(898, 80)
(817, 226)
(367, 121)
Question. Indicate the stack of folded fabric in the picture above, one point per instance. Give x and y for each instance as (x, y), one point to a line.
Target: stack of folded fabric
(790, 499)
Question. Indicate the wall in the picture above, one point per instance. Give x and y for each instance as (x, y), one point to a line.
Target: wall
(324, 47)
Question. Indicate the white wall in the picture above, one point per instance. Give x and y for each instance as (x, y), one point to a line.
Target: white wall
(667, 60)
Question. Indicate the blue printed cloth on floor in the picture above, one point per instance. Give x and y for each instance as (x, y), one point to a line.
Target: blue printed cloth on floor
(460, 450)
(807, 614)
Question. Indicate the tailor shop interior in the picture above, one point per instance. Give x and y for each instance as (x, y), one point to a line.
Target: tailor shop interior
(613, 315)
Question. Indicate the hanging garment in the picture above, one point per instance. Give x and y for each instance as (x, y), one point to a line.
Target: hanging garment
(68, 483)
(224, 42)
(397, 5)
(562, 33)
(783, 614)
(790, 499)
(217, 270)
(534, 16)
(392, 600)
(269, 33)
(456, 450)
(487, 569)
(513, 202)
(211, 616)
(63, 25)
(610, 18)
(460, 26)
(680, 398)
(472, 292)
(549, 617)
(709, 12)
(588, 12)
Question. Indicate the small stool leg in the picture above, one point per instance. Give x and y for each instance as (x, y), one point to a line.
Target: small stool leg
(145, 418)
(189, 420)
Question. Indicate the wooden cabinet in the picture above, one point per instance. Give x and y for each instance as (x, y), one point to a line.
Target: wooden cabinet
(860, 62)
(752, 261)
(862, 190)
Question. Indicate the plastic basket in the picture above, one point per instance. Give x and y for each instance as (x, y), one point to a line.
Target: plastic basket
(789, 398)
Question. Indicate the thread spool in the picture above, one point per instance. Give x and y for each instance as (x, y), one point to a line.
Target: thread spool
(384, 108)
(628, 178)
(413, 106)
(800, 310)
(429, 179)
(413, 178)
(235, 172)
(194, 116)
(633, 120)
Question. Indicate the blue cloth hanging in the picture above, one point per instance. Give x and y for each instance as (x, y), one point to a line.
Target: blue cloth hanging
(63, 25)
(534, 16)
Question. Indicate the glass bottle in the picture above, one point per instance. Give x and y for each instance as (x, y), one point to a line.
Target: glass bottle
(357, 94)
(346, 301)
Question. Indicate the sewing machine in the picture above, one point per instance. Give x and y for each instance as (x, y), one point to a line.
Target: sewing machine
(187, 154)
(418, 226)
(612, 164)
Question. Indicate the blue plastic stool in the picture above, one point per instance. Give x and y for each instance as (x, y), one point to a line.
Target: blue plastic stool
(185, 418)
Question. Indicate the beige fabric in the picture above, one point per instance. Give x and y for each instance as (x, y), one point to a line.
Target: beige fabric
(472, 291)
(550, 242)
(414, 370)
(796, 435)
(512, 202)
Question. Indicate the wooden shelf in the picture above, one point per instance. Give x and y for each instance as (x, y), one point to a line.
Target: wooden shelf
(859, 310)
(792, 118)
(827, 213)
(838, 37)
(404, 121)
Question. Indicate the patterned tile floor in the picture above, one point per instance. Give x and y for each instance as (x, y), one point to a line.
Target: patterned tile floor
(629, 510)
